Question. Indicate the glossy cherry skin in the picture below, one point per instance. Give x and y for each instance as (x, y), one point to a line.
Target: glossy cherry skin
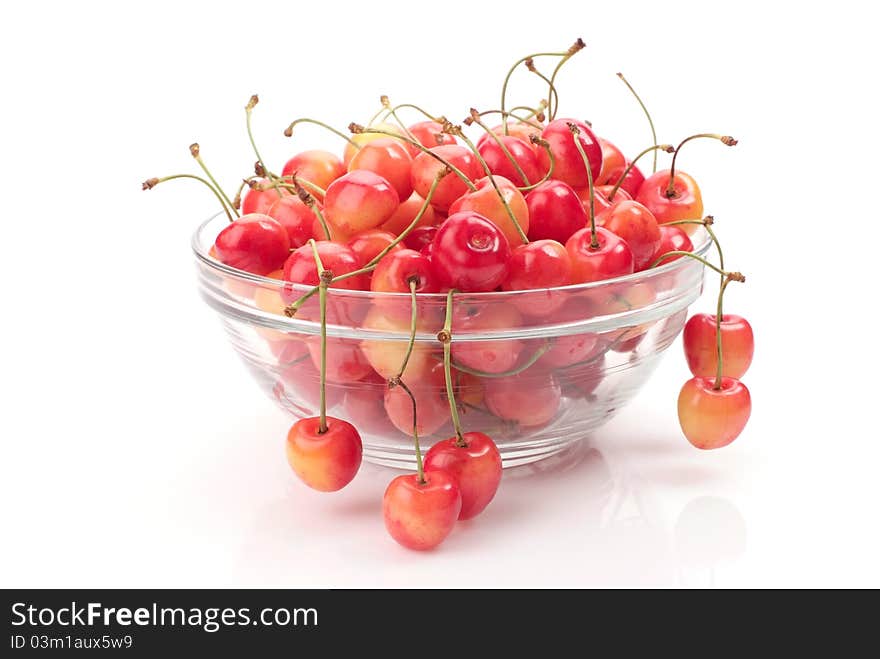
(612, 159)
(451, 187)
(531, 398)
(520, 151)
(254, 243)
(346, 362)
(420, 515)
(486, 202)
(632, 182)
(569, 162)
(470, 253)
(600, 202)
(495, 356)
(359, 200)
(555, 211)
(476, 467)
(637, 226)
(540, 264)
(394, 272)
(672, 239)
(362, 139)
(406, 213)
(386, 357)
(429, 134)
(367, 245)
(419, 237)
(613, 257)
(390, 159)
(297, 219)
(700, 347)
(256, 200)
(712, 418)
(315, 166)
(300, 266)
(519, 130)
(430, 394)
(325, 461)
(619, 195)
(685, 204)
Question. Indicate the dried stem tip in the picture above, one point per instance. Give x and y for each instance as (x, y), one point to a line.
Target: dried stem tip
(383, 99)
(573, 128)
(326, 277)
(194, 149)
(540, 116)
(251, 103)
(736, 276)
(393, 382)
(288, 132)
(355, 129)
(668, 148)
(449, 127)
(729, 141)
(576, 46)
(258, 169)
(290, 311)
(304, 195)
(709, 220)
(443, 336)
(540, 141)
(150, 183)
(530, 65)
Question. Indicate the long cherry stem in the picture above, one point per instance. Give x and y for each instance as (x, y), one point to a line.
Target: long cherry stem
(708, 264)
(288, 132)
(575, 132)
(544, 144)
(391, 111)
(553, 95)
(719, 373)
(195, 151)
(578, 46)
(706, 223)
(647, 114)
(445, 337)
(475, 118)
(306, 198)
(510, 73)
(724, 139)
(325, 277)
(523, 120)
(668, 148)
(534, 357)
(151, 183)
(248, 109)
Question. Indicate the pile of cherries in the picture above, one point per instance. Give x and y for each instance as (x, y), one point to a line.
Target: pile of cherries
(536, 202)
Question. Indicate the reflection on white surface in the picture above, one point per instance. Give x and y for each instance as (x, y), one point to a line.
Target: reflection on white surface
(710, 531)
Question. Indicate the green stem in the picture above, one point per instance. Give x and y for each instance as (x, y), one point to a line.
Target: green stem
(534, 357)
(507, 81)
(668, 148)
(575, 48)
(322, 292)
(445, 337)
(522, 120)
(575, 132)
(475, 118)
(706, 223)
(151, 183)
(195, 150)
(719, 374)
(544, 144)
(554, 95)
(724, 139)
(647, 114)
(678, 252)
(305, 120)
(413, 284)
(307, 184)
(309, 201)
(420, 469)
(248, 109)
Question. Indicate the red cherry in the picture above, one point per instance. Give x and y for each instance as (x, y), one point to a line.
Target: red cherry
(470, 253)
(569, 162)
(425, 169)
(364, 405)
(600, 202)
(476, 467)
(406, 213)
(297, 219)
(712, 418)
(367, 245)
(519, 130)
(636, 225)
(632, 183)
(540, 264)
(531, 399)
(430, 394)
(362, 139)
(606, 190)
(256, 200)
(421, 515)
(485, 201)
(700, 345)
(555, 211)
(573, 348)
(359, 200)
(496, 356)
(346, 362)
(612, 258)
(397, 269)
(389, 158)
(254, 243)
(521, 152)
(672, 239)
(420, 237)
(326, 461)
(612, 159)
(300, 384)
(300, 267)
(686, 203)
(429, 134)
(315, 166)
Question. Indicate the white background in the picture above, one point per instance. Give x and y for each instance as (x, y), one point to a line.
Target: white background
(136, 452)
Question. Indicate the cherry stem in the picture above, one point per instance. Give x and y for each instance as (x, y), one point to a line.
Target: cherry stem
(719, 374)
(392, 112)
(236, 200)
(544, 144)
(151, 183)
(448, 127)
(475, 118)
(358, 129)
(578, 46)
(307, 184)
(306, 198)
(523, 120)
(668, 148)
(724, 139)
(575, 132)
(195, 150)
(530, 65)
(507, 81)
(288, 132)
(706, 223)
(534, 357)
(248, 109)
(322, 293)
(420, 470)
(413, 285)
(445, 337)
(384, 101)
(647, 114)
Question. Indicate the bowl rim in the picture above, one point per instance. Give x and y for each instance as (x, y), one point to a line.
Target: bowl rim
(700, 248)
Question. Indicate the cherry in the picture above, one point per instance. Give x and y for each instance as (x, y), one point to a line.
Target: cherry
(531, 399)
(365, 407)
(390, 159)
(318, 167)
(428, 390)
(386, 356)
(425, 169)
(569, 166)
(500, 164)
(300, 267)
(359, 140)
(572, 348)
(367, 245)
(269, 298)
(429, 134)
(520, 130)
(686, 202)
(612, 159)
(406, 213)
(301, 380)
(326, 460)
(297, 219)
(600, 202)
(538, 265)
(555, 211)
(606, 190)
(636, 225)
(486, 202)
(470, 253)
(420, 513)
(254, 243)
(712, 418)
(397, 269)
(672, 239)
(633, 179)
(260, 197)
(495, 356)
(346, 362)
(609, 257)
(420, 237)
(700, 345)
(475, 464)
(359, 200)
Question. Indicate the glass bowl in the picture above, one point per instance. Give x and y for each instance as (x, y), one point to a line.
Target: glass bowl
(535, 370)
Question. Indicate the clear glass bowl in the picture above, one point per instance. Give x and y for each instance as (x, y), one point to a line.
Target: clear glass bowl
(583, 352)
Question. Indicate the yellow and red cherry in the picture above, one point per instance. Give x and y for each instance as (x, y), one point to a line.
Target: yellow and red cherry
(255, 243)
(499, 163)
(364, 406)
(297, 219)
(712, 418)
(346, 362)
(470, 253)
(300, 383)
(672, 239)
(326, 461)
(530, 399)
(420, 514)
(430, 393)
(632, 182)
(496, 356)
(636, 225)
(359, 200)
(315, 166)
(386, 356)
(700, 345)
(612, 159)
(543, 264)
(406, 213)
(397, 269)
(360, 140)
(604, 256)
(555, 212)
(475, 463)
(300, 267)
(368, 244)
(259, 200)
(684, 203)
(569, 166)
(425, 169)
(390, 159)
(429, 134)
(486, 202)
